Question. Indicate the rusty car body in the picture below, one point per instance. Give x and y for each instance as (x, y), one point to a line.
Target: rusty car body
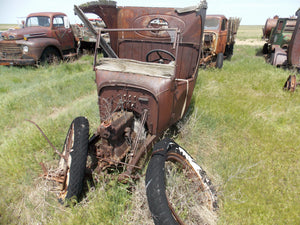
(218, 39)
(148, 84)
(276, 45)
(46, 35)
(267, 31)
(293, 57)
(144, 86)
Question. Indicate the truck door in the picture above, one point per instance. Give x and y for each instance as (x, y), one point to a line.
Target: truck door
(63, 32)
(222, 36)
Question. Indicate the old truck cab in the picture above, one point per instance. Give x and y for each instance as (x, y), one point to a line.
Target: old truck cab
(294, 47)
(46, 36)
(218, 39)
(277, 45)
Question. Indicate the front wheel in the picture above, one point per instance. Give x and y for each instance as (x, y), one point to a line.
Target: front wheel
(73, 162)
(50, 56)
(220, 59)
(177, 187)
(265, 49)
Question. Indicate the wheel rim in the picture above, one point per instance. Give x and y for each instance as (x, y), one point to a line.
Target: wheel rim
(65, 162)
(189, 198)
(291, 83)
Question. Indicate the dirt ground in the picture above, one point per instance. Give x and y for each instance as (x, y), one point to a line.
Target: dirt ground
(252, 42)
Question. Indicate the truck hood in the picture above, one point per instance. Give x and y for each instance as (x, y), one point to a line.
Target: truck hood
(27, 32)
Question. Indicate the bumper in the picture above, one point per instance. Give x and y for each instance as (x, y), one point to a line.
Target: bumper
(17, 62)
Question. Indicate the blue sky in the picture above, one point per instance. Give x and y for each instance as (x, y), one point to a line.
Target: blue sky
(252, 12)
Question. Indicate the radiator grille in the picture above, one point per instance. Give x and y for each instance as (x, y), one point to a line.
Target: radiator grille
(10, 51)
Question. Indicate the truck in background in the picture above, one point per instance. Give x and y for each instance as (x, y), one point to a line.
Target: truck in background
(45, 38)
(219, 39)
(277, 39)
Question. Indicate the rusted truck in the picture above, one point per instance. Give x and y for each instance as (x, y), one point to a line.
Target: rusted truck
(219, 39)
(276, 45)
(267, 31)
(143, 87)
(46, 37)
(293, 57)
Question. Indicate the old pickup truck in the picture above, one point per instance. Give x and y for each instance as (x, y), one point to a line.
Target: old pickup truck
(218, 39)
(46, 37)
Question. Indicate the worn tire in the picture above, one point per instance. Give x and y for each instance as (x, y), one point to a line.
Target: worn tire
(161, 206)
(272, 56)
(220, 59)
(75, 149)
(50, 56)
(265, 49)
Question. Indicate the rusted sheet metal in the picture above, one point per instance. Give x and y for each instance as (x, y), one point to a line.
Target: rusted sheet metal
(92, 29)
(149, 86)
(279, 56)
(11, 53)
(108, 11)
(283, 32)
(136, 45)
(291, 83)
(269, 25)
(215, 34)
(139, 17)
(294, 47)
(276, 46)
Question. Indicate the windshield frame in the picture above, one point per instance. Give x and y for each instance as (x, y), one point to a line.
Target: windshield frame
(211, 24)
(38, 21)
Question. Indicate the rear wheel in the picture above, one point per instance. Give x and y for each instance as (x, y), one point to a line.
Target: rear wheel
(177, 188)
(73, 162)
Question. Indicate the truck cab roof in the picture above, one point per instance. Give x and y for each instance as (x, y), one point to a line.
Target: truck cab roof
(50, 14)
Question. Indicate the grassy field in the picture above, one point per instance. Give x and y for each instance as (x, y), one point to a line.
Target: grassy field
(4, 27)
(250, 32)
(242, 128)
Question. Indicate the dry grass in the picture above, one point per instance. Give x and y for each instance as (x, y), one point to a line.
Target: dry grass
(242, 129)
(139, 213)
(39, 202)
(4, 27)
(190, 202)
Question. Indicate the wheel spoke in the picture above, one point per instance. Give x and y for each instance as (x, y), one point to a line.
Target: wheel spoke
(176, 188)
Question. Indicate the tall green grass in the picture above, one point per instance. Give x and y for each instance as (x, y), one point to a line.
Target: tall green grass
(250, 127)
(242, 128)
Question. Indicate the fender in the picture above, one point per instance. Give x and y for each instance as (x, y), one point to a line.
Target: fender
(38, 45)
(280, 57)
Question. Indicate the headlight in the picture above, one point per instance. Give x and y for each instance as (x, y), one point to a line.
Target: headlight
(25, 49)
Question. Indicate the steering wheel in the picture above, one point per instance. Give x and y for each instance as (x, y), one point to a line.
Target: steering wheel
(161, 56)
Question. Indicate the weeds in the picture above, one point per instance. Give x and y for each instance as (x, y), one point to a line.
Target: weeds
(241, 128)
